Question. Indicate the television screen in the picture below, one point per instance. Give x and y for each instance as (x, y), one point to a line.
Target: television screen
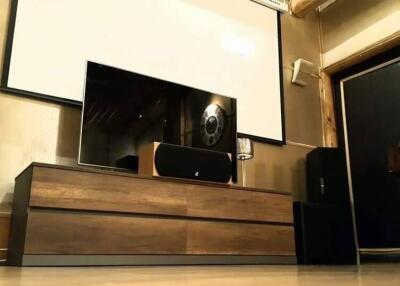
(123, 110)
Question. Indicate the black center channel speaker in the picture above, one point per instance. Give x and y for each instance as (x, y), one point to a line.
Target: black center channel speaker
(168, 160)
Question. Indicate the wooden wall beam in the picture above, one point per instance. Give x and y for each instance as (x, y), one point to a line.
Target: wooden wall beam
(302, 7)
(327, 101)
(328, 112)
(4, 231)
(366, 53)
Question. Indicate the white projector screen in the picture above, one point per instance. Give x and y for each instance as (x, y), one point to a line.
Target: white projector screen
(225, 47)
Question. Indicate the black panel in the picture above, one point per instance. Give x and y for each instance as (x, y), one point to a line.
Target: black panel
(128, 162)
(372, 112)
(192, 163)
(336, 79)
(9, 43)
(19, 218)
(125, 110)
(324, 234)
(324, 225)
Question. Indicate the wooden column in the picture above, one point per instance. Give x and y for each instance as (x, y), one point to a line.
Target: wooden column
(328, 111)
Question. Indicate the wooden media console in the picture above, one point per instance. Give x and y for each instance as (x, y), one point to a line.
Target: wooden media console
(82, 216)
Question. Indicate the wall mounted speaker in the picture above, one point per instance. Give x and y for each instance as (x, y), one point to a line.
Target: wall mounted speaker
(302, 70)
(167, 160)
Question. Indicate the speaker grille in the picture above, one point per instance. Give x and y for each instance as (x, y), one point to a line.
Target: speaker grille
(192, 163)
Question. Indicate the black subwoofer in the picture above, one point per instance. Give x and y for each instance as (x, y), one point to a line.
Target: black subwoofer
(324, 234)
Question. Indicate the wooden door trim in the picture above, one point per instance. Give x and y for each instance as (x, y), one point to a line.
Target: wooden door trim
(329, 111)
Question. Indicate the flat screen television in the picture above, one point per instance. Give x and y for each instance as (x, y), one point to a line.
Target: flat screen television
(123, 110)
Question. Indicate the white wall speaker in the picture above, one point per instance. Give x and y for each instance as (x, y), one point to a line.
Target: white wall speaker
(302, 70)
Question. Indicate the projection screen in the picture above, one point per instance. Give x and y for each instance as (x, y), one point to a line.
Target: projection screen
(226, 47)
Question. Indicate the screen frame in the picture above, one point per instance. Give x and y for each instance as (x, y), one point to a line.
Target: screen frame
(51, 98)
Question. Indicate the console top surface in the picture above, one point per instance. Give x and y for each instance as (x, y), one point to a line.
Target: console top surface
(127, 173)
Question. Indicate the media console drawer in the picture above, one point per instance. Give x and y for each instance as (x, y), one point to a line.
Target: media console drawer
(69, 189)
(80, 216)
(54, 232)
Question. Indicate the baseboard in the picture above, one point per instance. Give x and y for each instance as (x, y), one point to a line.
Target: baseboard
(119, 260)
(375, 255)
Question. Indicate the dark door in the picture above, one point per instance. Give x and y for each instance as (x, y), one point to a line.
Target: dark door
(370, 100)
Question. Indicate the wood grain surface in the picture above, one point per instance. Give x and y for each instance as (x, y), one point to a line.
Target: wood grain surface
(67, 189)
(75, 211)
(4, 233)
(146, 160)
(57, 188)
(66, 233)
(208, 237)
(240, 205)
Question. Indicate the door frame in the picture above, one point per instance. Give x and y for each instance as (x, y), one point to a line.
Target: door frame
(372, 53)
(332, 84)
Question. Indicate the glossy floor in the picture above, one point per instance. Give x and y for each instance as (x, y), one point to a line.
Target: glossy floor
(368, 274)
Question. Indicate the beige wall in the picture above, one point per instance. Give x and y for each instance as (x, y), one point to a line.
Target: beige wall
(34, 130)
(349, 27)
(283, 168)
